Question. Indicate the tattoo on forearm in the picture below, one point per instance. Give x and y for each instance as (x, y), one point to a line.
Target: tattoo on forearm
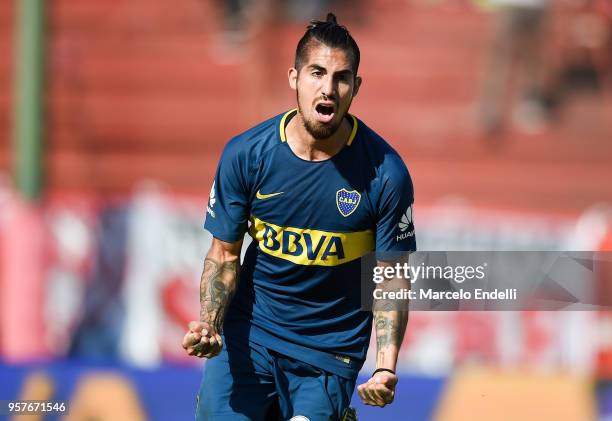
(390, 327)
(390, 321)
(217, 287)
(387, 331)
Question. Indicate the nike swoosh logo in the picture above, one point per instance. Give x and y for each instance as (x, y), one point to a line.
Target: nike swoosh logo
(261, 196)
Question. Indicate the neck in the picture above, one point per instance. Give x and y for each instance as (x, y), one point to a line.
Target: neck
(308, 148)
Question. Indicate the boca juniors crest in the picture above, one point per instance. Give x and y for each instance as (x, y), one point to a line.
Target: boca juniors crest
(347, 201)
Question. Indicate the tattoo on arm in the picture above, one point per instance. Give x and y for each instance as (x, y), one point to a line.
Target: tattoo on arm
(390, 320)
(390, 328)
(387, 330)
(217, 287)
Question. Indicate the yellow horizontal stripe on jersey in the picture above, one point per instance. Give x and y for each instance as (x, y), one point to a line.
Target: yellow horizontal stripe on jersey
(311, 247)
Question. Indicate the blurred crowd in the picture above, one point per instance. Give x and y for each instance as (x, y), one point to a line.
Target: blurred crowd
(543, 53)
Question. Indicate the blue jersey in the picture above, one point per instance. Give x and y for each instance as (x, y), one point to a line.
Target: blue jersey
(311, 221)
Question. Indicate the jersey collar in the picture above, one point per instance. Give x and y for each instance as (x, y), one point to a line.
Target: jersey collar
(291, 113)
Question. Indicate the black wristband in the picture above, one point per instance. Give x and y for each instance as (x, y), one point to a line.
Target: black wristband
(378, 370)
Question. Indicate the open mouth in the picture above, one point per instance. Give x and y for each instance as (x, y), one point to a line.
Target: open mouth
(325, 112)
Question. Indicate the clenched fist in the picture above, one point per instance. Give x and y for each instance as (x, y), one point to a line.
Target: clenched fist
(379, 390)
(202, 341)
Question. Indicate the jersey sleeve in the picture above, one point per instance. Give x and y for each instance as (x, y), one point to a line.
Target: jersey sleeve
(228, 207)
(395, 226)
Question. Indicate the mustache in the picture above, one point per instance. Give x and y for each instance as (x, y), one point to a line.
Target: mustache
(327, 99)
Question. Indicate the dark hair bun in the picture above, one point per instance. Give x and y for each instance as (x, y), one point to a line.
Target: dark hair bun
(332, 18)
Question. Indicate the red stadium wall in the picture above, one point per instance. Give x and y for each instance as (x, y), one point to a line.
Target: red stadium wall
(145, 90)
(133, 94)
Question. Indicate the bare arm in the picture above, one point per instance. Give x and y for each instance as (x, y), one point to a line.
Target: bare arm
(217, 287)
(390, 321)
(218, 282)
(390, 328)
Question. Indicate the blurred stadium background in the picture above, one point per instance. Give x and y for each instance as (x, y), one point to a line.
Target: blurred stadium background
(113, 115)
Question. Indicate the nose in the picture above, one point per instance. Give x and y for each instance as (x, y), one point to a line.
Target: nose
(328, 89)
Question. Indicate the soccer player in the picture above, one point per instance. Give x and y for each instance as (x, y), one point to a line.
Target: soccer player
(317, 189)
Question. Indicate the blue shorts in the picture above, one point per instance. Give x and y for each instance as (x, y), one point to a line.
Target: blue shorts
(251, 382)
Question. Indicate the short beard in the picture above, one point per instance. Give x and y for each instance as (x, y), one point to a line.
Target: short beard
(319, 131)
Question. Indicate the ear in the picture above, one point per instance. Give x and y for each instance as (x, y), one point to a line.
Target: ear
(292, 74)
(358, 81)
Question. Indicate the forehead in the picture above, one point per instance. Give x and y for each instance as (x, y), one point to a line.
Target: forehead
(328, 57)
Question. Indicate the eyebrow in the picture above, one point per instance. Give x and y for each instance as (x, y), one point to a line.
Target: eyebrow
(344, 72)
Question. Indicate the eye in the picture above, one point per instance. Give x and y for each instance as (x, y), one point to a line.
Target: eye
(344, 77)
(317, 73)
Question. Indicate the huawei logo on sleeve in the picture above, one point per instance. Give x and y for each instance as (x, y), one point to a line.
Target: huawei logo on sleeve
(211, 201)
(405, 225)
